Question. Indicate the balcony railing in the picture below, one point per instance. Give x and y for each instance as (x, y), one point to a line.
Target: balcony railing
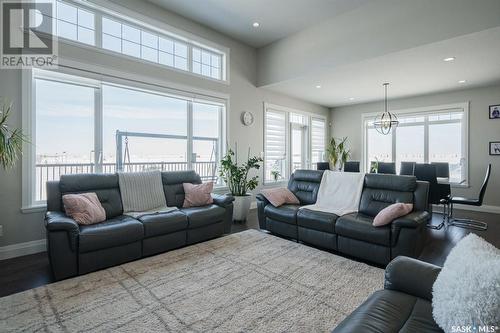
(48, 172)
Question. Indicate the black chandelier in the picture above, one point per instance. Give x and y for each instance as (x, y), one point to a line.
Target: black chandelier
(385, 122)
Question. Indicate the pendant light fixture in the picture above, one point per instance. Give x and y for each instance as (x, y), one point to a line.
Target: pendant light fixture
(385, 122)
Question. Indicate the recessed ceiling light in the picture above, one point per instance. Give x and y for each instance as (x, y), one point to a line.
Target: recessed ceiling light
(462, 81)
(318, 86)
(352, 98)
(449, 59)
(256, 24)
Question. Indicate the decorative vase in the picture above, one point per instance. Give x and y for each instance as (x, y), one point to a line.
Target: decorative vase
(241, 207)
(334, 167)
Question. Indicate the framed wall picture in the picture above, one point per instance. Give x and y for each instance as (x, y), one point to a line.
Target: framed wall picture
(495, 148)
(495, 111)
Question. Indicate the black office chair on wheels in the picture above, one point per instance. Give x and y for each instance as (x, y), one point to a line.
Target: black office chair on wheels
(469, 223)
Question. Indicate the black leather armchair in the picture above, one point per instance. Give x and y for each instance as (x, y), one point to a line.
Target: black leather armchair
(404, 305)
(75, 249)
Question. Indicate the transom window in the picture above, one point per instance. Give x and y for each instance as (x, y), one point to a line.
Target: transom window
(94, 27)
(436, 134)
(82, 125)
(292, 140)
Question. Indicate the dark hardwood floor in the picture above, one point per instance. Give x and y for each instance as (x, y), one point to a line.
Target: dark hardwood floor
(23, 273)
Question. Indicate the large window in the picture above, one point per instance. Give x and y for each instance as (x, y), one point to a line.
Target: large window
(292, 140)
(114, 32)
(436, 134)
(84, 125)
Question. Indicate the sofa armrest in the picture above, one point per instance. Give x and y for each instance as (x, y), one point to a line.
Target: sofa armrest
(411, 276)
(222, 199)
(262, 202)
(260, 197)
(412, 220)
(58, 221)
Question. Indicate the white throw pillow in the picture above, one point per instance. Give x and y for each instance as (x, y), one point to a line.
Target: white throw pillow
(467, 290)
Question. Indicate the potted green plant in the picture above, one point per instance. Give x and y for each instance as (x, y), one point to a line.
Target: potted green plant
(238, 181)
(11, 140)
(337, 153)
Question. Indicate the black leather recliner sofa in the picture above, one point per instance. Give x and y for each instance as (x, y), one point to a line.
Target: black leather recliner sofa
(353, 234)
(75, 249)
(405, 304)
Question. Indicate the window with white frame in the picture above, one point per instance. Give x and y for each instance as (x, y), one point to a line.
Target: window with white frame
(435, 134)
(292, 140)
(98, 27)
(83, 125)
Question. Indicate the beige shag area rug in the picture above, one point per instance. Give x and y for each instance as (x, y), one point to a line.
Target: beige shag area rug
(245, 282)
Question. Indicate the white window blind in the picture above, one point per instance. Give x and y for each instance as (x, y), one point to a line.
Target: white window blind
(275, 143)
(318, 129)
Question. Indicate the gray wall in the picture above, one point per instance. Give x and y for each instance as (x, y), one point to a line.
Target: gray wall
(244, 96)
(346, 121)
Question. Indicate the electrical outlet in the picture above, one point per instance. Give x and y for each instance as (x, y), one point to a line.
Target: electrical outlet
(1, 230)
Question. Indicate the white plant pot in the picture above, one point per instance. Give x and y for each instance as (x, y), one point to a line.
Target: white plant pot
(241, 207)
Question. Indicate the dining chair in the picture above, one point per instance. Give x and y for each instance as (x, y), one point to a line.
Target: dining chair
(407, 168)
(442, 169)
(351, 166)
(470, 223)
(322, 166)
(437, 192)
(387, 168)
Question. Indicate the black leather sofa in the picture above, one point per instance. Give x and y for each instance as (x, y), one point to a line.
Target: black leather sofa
(353, 234)
(75, 249)
(405, 304)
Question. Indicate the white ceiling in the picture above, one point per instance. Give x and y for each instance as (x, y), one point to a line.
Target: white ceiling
(415, 71)
(350, 47)
(277, 18)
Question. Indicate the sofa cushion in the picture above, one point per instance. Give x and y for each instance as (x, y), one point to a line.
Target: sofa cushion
(359, 226)
(104, 185)
(305, 185)
(173, 188)
(390, 311)
(202, 216)
(285, 213)
(164, 223)
(316, 220)
(113, 232)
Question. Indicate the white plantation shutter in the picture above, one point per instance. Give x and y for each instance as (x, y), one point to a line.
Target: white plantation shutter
(275, 133)
(318, 129)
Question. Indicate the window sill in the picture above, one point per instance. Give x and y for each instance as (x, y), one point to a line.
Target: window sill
(37, 208)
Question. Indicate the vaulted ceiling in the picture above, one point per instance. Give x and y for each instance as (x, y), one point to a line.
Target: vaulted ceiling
(336, 52)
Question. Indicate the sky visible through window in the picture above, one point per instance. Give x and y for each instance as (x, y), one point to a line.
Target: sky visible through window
(65, 124)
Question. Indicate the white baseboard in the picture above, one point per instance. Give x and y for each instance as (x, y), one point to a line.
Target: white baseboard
(482, 209)
(22, 249)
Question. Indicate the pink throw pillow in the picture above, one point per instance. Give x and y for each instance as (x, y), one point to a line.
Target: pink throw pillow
(196, 195)
(84, 208)
(280, 196)
(392, 212)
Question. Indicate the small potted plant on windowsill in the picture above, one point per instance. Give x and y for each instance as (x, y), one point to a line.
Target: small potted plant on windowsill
(11, 140)
(237, 179)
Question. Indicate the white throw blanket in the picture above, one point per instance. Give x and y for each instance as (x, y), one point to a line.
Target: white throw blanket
(142, 193)
(339, 193)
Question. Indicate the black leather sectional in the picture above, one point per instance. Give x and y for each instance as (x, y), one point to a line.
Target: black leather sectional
(353, 234)
(405, 304)
(75, 249)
